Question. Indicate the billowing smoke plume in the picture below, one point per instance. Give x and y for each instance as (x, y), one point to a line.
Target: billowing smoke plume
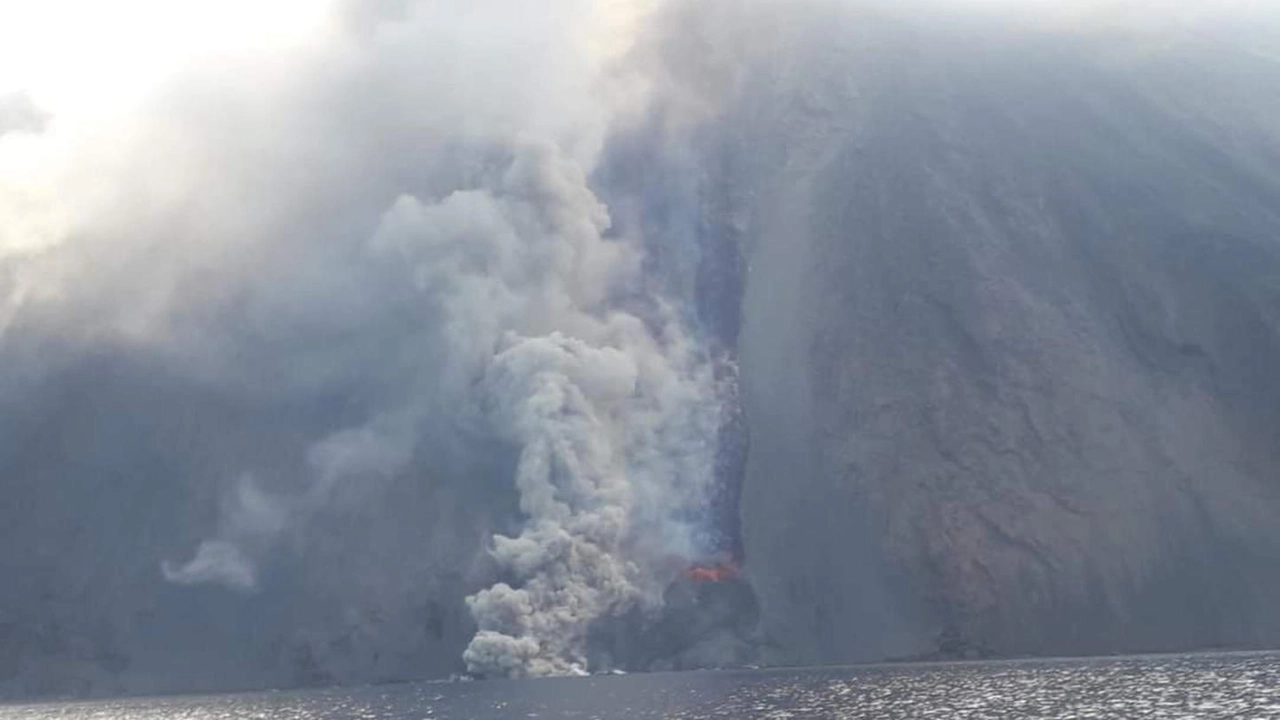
(613, 415)
(394, 224)
(603, 429)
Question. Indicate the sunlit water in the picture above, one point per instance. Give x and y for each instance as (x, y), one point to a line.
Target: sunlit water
(1195, 686)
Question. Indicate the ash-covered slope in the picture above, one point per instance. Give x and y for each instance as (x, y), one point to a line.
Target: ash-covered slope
(1011, 331)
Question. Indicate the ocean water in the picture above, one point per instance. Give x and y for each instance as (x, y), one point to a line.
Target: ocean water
(1182, 686)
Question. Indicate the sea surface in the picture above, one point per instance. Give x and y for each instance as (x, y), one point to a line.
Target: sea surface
(1173, 686)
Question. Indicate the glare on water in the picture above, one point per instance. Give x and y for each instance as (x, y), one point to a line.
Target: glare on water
(1194, 686)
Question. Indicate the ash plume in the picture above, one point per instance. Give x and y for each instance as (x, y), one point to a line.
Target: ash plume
(613, 417)
(375, 275)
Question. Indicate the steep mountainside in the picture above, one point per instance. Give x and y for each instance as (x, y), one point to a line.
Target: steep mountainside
(1011, 332)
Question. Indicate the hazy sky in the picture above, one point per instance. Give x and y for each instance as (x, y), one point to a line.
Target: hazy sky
(83, 54)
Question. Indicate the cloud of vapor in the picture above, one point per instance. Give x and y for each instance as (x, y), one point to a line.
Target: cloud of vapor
(399, 215)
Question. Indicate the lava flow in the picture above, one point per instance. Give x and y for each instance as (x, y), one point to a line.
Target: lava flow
(720, 572)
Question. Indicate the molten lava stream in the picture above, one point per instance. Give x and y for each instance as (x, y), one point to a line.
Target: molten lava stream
(720, 572)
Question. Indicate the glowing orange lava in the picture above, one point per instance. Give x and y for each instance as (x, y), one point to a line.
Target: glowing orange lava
(719, 572)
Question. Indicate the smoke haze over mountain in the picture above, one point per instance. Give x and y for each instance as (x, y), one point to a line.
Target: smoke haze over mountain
(399, 338)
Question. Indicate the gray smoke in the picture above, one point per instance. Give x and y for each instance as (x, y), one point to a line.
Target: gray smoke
(613, 416)
(249, 518)
(401, 217)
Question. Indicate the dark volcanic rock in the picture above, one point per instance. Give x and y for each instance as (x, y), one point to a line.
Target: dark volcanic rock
(1010, 335)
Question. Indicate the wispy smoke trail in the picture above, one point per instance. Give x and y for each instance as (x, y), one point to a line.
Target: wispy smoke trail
(250, 518)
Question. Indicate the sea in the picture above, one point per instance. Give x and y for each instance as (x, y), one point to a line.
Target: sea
(1234, 685)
